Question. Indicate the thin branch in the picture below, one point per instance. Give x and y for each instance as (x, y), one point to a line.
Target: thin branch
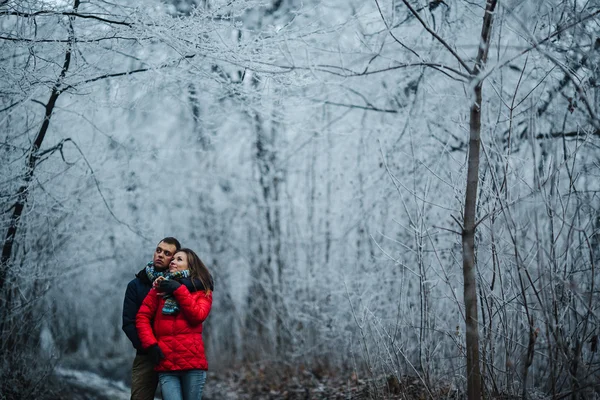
(351, 73)
(582, 96)
(15, 39)
(575, 134)
(447, 229)
(457, 221)
(439, 39)
(368, 108)
(538, 43)
(52, 149)
(65, 13)
(392, 35)
(534, 88)
(97, 184)
(125, 73)
(12, 105)
(398, 262)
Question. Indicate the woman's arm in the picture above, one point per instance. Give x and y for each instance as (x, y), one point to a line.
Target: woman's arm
(195, 307)
(143, 319)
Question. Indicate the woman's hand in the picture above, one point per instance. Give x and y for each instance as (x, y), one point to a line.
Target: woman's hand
(168, 286)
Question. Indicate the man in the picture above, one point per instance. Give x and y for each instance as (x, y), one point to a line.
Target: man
(144, 379)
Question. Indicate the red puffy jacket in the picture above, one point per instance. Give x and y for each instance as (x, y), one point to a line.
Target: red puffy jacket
(179, 336)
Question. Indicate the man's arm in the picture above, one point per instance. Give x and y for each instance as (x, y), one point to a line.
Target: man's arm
(130, 309)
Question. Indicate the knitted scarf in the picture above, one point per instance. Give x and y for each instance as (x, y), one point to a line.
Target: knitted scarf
(152, 274)
(171, 306)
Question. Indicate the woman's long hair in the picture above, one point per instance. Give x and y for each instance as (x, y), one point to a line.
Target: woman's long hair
(197, 269)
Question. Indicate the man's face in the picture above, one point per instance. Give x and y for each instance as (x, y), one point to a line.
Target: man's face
(163, 255)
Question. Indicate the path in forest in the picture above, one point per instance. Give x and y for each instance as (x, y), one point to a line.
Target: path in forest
(85, 385)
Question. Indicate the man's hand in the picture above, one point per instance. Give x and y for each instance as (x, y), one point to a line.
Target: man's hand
(157, 281)
(168, 286)
(155, 354)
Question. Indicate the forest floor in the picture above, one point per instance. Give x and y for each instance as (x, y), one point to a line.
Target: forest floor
(244, 383)
(109, 379)
(256, 384)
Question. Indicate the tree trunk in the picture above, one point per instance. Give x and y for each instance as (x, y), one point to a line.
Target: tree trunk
(468, 244)
(468, 233)
(23, 192)
(269, 270)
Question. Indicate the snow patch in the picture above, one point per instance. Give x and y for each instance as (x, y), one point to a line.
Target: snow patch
(106, 388)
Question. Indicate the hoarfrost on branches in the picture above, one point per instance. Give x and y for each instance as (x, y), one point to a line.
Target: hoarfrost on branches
(315, 155)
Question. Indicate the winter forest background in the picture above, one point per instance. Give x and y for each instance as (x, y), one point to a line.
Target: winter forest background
(315, 154)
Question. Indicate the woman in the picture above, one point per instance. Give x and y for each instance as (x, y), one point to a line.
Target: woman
(169, 324)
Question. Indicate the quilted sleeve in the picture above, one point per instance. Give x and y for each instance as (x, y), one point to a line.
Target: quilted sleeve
(143, 319)
(129, 313)
(194, 306)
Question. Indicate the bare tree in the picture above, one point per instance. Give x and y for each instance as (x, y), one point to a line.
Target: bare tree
(469, 218)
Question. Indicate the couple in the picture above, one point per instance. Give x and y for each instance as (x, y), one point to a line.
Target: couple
(163, 312)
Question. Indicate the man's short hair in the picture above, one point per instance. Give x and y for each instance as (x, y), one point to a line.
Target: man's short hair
(173, 241)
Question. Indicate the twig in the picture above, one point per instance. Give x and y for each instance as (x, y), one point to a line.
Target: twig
(439, 39)
(65, 13)
(392, 35)
(97, 184)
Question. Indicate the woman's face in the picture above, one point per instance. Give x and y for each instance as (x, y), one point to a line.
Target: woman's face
(179, 262)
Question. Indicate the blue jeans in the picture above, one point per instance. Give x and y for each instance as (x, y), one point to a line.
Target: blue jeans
(182, 385)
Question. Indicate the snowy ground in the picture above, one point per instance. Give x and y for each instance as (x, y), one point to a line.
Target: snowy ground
(85, 385)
